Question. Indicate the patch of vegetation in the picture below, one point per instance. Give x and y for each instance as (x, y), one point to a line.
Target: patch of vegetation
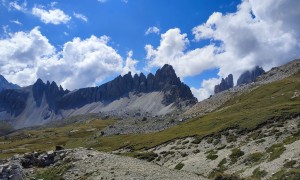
(222, 166)
(183, 154)
(179, 166)
(257, 173)
(231, 138)
(221, 176)
(275, 151)
(290, 164)
(254, 158)
(149, 156)
(53, 172)
(292, 174)
(197, 140)
(212, 155)
(235, 154)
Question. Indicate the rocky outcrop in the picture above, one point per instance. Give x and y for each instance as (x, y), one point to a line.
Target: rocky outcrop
(250, 76)
(225, 84)
(13, 101)
(165, 80)
(51, 92)
(4, 84)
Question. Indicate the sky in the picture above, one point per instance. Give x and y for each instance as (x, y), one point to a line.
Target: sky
(86, 43)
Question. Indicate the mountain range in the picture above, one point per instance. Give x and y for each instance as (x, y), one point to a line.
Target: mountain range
(126, 95)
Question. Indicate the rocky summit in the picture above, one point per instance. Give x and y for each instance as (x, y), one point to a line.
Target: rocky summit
(4, 84)
(250, 76)
(225, 84)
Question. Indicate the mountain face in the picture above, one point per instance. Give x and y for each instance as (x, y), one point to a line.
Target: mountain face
(225, 84)
(250, 76)
(4, 84)
(165, 80)
(44, 102)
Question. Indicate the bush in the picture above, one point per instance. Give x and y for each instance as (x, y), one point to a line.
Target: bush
(257, 173)
(235, 154)
(179, 166)
(149, 156)
(212, 155)
(197, 140)
(254, 158)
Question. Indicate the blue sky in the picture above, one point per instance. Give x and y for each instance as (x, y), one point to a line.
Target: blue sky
(193, 27)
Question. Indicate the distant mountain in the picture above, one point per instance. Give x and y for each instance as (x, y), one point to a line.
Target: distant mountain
(4, 84)
(225, 84)
(127, 95)
(250, 76)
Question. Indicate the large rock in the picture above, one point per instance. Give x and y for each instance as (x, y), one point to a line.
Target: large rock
(250, 76)
(225, 84)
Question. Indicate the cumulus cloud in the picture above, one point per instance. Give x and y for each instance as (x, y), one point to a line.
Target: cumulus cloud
(52, 16)
(206, 89)
(172, 50)
(130, 64)
(20, 53)
(258, 33)
(152, 30)
(27, 56)
(80, 16)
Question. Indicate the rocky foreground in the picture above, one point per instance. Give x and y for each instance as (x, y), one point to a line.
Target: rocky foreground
(84, 163)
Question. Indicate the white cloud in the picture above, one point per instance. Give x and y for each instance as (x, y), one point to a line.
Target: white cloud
(52, 16)
(26, 56)
(172, 51)
(21, 52)
(80, 16)
(16, 6)
(16, 22)
(258, 33)
(264, 34)
(130, 64)
(124, 1)
(153, 30)
(206, 89)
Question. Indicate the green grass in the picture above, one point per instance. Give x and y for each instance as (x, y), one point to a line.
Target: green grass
(46, 139)
(236, 153)
(212, 155)
(254, 158)
(292, 174)
(257, 173)
(52, 173)
(246, 112)
(275, 151)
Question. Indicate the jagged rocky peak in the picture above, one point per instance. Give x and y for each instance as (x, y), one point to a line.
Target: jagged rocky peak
(48, 90)
(250, 76)
(165, 80)
(4, 84)
(225, 84)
